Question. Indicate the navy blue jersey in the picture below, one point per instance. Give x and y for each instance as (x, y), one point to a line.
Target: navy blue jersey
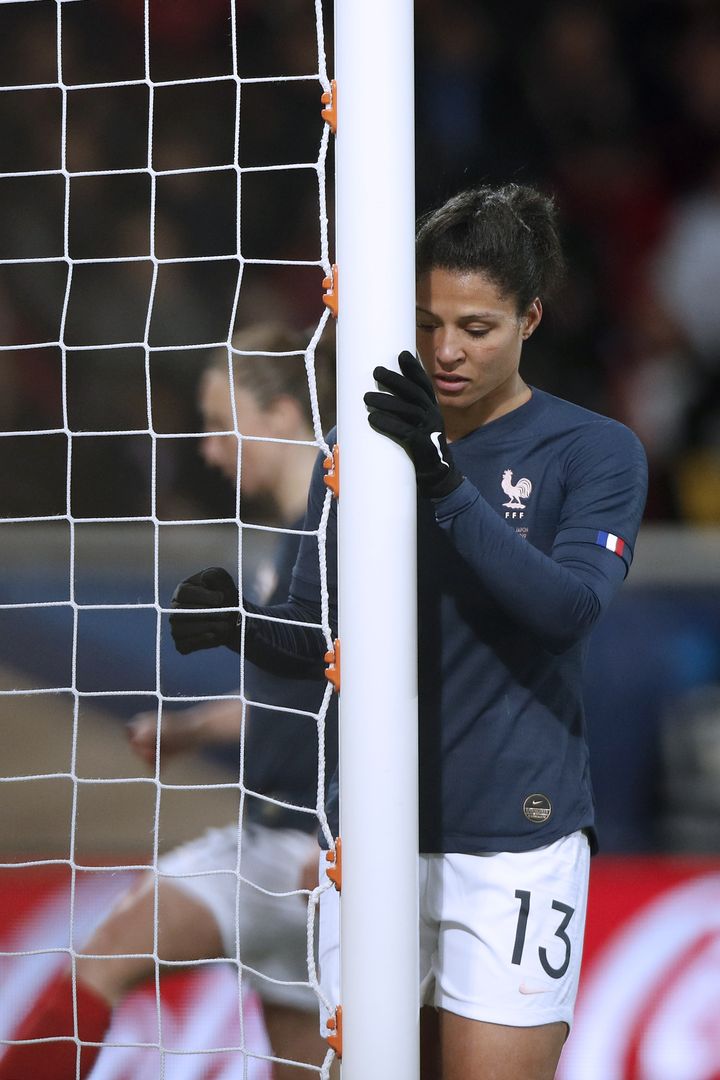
(281, 748)
(515, 567)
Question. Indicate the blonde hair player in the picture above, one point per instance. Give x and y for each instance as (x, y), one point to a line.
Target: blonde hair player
(197, 909)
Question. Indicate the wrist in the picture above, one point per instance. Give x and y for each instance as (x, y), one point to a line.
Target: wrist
(234, 633)
(434, 486)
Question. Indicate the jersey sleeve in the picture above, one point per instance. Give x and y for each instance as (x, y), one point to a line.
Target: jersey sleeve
(606, 490)
(559, 597)
(273, 639)
(307, 576)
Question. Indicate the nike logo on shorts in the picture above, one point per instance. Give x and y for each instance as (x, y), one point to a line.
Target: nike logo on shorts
(525, 988)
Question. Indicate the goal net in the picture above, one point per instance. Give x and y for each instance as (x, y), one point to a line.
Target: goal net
(163, 186)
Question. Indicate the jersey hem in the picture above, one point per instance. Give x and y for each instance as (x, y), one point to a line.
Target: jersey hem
(455, 844)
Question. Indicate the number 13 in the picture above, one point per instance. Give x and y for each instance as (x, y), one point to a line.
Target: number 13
(555, 973)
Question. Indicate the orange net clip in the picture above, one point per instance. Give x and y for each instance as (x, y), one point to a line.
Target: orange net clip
(332, 467)
(332, 671)
(334, 867)
(330, 297)
(335, 1026)
(329, 113)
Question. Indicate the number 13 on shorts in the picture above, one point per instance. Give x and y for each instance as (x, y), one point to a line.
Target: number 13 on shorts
(520, 935)
(501, 934)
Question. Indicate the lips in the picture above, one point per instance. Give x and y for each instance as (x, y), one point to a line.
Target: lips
(449, 384)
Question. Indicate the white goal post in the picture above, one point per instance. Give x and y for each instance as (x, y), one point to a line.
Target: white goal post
(377, 595)
(375, 288)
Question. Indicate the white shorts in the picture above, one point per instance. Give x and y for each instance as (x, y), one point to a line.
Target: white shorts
(271, 929)
(500, 934)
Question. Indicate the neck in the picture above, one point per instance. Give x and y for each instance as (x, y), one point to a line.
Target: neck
(459, 422)
(294, 480)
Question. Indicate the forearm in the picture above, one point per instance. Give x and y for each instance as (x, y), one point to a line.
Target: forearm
(282, 647)
(216, 722)
(284, 639)
(558, 599)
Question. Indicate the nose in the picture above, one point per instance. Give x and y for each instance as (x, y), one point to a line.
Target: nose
(448, 347)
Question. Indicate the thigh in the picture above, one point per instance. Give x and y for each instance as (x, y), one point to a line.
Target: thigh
(205, 870)
(510, 934)
(475, 1050)
(186, 931)
(272, 911)
(430, 1060)
(250, 881)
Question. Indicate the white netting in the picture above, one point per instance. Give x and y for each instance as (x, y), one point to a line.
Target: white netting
(126, 259)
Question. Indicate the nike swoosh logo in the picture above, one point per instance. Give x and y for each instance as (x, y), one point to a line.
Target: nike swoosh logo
(435, 440)
(525, 989)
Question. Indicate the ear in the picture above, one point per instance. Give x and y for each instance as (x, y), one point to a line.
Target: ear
(532, 318)
(285, 415)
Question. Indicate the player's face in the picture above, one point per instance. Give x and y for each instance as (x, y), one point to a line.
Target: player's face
(259, 466)
(469, 338)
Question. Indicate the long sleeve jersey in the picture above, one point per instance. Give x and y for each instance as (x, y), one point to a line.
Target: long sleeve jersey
(280, 758)
(514, 569)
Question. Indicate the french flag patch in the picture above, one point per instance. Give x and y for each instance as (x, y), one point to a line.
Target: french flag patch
(611, 542)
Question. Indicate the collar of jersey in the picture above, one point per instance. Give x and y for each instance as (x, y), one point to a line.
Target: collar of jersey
(518, 420)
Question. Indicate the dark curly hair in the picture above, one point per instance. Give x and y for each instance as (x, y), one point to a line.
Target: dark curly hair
(508, 233)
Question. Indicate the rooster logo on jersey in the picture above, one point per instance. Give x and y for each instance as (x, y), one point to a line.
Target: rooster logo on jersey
(516, 492)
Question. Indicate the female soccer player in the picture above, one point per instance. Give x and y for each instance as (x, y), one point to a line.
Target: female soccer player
(197, 894)
(529, 507)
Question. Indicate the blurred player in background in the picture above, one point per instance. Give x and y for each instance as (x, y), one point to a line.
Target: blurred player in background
(197, 915)
(528, 511)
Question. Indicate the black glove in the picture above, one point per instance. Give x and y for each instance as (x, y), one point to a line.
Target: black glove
(207, 589)
(409, 414)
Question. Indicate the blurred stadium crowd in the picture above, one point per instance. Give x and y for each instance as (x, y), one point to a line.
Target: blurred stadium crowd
(615, 106)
